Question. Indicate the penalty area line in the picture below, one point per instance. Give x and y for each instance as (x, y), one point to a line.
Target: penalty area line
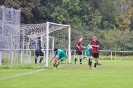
(22, 74)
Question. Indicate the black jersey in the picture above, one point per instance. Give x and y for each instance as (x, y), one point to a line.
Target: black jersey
(37, 44)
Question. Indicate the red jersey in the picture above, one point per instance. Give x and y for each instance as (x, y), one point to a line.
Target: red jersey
(95, 49)
(80, 46)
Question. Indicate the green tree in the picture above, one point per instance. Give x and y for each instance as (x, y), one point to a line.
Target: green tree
(30, 9)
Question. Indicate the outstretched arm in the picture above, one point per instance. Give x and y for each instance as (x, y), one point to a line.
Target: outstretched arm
(53, 58)
(83, 47)
(97, 46)
(32, 43)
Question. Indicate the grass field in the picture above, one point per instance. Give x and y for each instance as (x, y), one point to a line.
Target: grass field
(111, 74)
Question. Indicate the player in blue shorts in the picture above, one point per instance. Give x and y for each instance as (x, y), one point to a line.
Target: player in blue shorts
(60, 56)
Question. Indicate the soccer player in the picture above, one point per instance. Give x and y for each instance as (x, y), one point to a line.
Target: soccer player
(60, 56)
(94, 52)
(88, 51)
(79, 50)
(38, 51)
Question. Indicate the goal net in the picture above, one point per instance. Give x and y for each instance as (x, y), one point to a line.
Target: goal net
(52, 35)
(9, 35)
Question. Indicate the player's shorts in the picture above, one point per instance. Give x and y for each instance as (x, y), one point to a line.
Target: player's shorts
(39, 53)
(78, 52)
(95, 55)
(63, 58)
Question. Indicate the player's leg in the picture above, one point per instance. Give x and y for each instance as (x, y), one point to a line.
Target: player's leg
(37, 55)
(80, 58)
(75, 59)
(95, 63)
(55, 61)
(36, 59)
(41, 56)
(90, 61)
(78, 53)
(60, 60)
(96, 59)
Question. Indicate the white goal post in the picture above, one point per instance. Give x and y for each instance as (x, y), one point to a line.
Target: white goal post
(48, 30)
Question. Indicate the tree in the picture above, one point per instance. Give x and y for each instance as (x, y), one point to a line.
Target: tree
(123, 22)
(30, 9)
(130, 17)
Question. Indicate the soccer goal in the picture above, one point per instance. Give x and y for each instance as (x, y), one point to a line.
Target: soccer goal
(52, 35)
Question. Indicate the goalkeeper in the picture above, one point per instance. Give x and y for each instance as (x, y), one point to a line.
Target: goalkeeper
(60, 56)
(38, 51)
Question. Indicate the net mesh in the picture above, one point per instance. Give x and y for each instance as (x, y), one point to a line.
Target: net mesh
(60, 36)
(9, 33)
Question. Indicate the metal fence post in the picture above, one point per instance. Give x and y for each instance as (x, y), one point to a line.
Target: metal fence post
(21, 57)
(0, 57)
(111, 54)
(44, 56)
(30, 57)
(11, 57)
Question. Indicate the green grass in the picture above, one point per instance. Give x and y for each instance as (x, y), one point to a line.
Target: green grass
(111, 74)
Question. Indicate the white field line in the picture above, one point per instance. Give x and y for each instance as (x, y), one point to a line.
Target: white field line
(17, 75)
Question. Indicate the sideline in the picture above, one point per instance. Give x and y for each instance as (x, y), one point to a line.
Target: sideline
(17, 75)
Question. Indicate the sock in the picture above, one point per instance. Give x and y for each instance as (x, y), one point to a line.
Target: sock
(81, 61)
(95, 65)
(97, 62)
(90, 63)
(56, 65)
(41, 60)
(35, 60)
(75, 60)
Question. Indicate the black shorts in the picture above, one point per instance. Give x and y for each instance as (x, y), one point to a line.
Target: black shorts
(78, 52)
(95, 55)
(39, 53)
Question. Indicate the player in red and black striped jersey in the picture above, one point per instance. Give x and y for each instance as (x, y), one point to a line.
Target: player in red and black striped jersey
(79, 48)
(95, 44)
